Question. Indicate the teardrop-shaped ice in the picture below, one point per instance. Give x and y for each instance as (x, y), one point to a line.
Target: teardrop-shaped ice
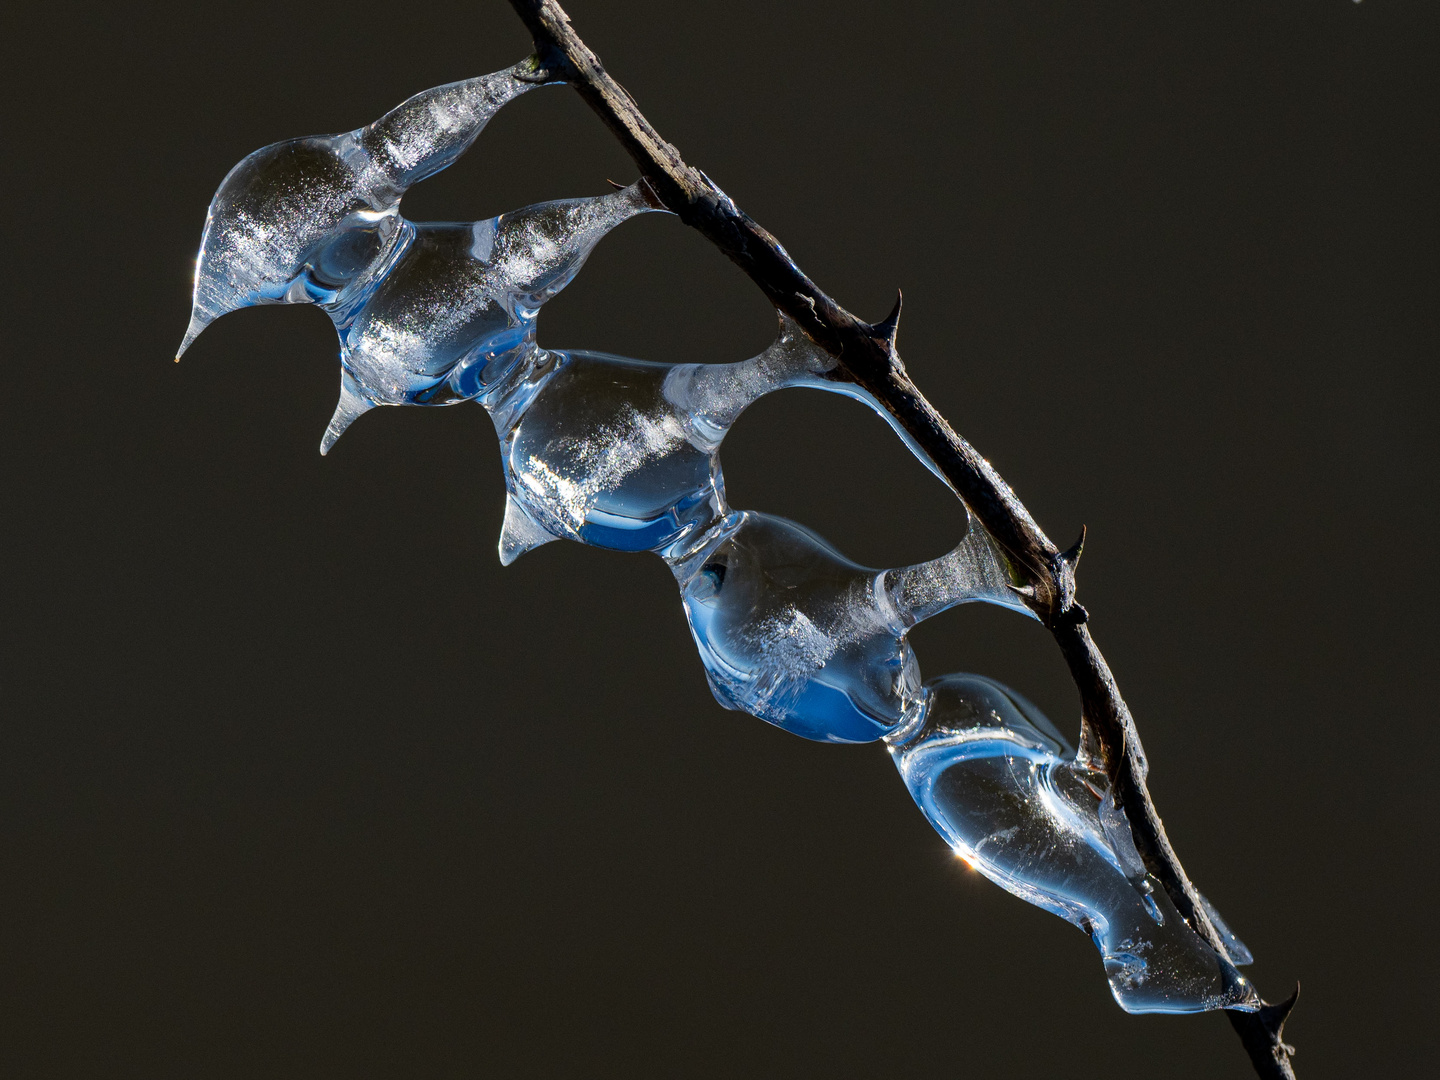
(455, 312)
(599, 455)
(793, 632)
(300, 220)
(621, 453)
(1004, 791)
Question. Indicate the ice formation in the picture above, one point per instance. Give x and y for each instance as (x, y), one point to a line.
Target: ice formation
(624, 454)
(1010, 796)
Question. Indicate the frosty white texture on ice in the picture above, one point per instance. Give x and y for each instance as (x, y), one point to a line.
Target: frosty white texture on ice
(624, 454)
(301, 220)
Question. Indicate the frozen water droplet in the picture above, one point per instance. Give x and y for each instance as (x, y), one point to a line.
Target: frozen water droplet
(599, 454)
(271, 230)
(791, 631)
(453, 313)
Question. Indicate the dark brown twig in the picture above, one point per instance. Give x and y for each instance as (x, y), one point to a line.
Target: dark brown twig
(868, 357)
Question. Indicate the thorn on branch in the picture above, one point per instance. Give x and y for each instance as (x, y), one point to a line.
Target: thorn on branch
(1071, 555)
(1274, 1017)
(1066, 611)
(887, 329)
(1262, 1031)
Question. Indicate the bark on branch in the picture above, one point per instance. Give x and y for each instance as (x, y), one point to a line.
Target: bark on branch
(867, 356)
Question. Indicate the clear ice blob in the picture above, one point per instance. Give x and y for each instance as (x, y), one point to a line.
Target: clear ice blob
(451, 312)
(1000, 785)
(300, 220)
(622, 454)
(598, 455)
(793, 632)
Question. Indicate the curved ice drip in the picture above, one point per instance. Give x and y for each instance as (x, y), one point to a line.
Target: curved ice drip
(452, 313)
(624, 454)
(1000, 785)
(793, 632)
(599, 455)
(299, 220)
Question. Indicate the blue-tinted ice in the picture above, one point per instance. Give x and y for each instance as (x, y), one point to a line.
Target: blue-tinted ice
(624, 454)
(998, 782)
(793, 632)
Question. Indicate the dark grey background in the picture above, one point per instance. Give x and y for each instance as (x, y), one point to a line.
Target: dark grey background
(298, 782)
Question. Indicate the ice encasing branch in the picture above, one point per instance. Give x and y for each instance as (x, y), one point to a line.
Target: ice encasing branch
(868, 356)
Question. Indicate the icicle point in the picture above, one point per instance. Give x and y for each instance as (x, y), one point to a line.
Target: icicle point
(199, 320)
(352, 405)
(520, 532)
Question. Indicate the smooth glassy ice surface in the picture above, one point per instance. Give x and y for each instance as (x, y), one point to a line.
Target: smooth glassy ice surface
(601, 456)
(999, 784)
(791, 631)
(624, 454)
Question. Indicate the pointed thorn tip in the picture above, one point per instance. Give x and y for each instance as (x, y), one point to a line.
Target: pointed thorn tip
(889, 326)
(1276, 1014)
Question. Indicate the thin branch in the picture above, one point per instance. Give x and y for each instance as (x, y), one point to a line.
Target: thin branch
(867, 356)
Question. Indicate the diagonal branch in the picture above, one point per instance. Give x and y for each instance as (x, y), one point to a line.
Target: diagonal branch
(868, 357)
